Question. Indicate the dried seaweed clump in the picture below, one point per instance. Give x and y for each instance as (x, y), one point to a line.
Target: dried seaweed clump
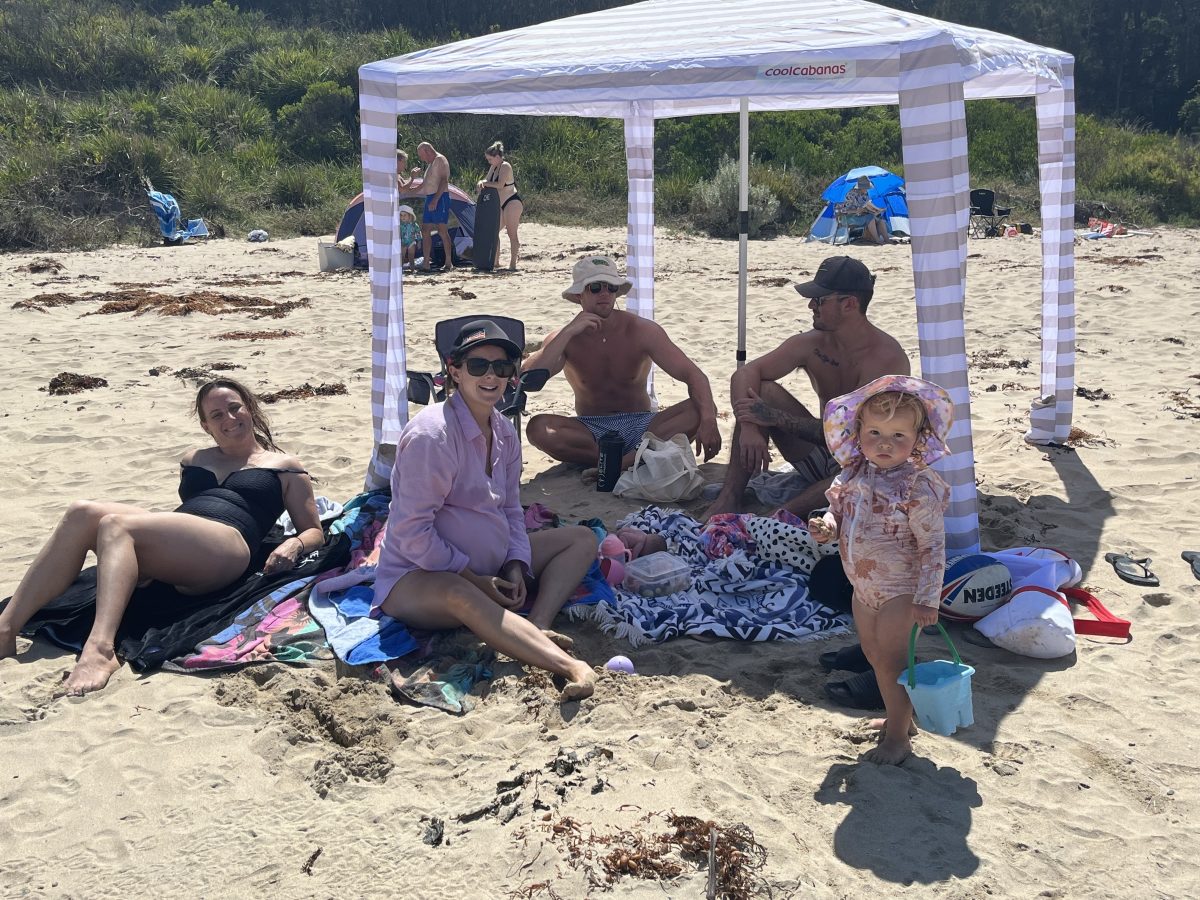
(733, 860)
(305, 391)
(274, 334)
(996, 359)
(71, 383)
(41, 264)
(202, 373)
(42, 302)
(1077, 437)
(1184, 405)
(210, 303)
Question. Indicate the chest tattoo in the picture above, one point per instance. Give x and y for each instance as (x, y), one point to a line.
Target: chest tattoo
(828, 360)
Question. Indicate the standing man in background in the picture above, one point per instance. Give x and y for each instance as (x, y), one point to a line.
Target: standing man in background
(435, 181)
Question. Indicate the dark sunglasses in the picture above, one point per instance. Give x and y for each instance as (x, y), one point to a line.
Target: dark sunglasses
(598, 287)
(478, 366)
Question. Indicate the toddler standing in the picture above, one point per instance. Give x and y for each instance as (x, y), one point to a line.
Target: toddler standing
(885, 509)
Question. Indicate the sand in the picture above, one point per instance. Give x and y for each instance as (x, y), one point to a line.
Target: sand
(1078, 778)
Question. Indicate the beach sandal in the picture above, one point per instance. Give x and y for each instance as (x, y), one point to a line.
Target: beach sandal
(859, 692)
(848, 659)
(1135, 571)
(1192, 557)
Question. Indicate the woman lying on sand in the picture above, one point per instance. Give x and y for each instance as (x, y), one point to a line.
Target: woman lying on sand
(456, 551)
(232, 494)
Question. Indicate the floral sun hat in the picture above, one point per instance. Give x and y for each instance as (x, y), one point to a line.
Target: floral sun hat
(841, 416)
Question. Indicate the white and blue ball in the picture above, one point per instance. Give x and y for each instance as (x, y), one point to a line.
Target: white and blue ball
(973, 586)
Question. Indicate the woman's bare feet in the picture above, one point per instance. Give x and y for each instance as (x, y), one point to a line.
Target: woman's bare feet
(581, 683)
(8, 644)
(96, 665)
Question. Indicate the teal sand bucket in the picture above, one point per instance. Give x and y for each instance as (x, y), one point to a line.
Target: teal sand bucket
(940, 690)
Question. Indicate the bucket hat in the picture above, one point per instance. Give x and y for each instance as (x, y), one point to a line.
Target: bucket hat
(591, 269)
(841, 417)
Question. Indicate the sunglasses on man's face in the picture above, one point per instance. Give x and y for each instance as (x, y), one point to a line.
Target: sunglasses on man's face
(478, 366)
(599, 287)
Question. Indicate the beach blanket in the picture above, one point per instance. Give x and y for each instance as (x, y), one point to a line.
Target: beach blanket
(279, 627)
(736, 591)
(444, 681)
(160, 623)
(276, 628)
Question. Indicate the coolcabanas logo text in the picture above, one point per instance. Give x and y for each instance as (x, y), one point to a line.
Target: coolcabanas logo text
(816, 70)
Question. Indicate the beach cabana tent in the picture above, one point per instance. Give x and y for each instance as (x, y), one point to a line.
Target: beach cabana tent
(664, 58)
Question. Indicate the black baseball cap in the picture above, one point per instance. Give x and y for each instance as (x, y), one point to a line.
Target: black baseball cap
(481, 332)
(838, 275)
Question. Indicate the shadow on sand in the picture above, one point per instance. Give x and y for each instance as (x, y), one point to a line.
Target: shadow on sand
(895, 841)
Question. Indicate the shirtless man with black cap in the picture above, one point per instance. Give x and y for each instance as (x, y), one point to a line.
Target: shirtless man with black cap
(843, 351)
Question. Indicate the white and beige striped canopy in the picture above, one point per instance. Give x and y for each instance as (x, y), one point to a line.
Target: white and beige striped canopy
(664, 58)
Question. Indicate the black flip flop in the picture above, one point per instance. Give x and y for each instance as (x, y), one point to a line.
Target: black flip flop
(848, 659)
(1135, 571)
(858, 692)
(1193, 558)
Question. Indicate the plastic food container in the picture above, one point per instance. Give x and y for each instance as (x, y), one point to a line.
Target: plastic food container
(657, 574)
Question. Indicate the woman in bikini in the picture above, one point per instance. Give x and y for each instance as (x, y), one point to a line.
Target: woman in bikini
(232, 494)
(500, 178)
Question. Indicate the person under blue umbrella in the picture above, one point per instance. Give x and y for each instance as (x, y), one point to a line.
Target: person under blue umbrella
(859, 211)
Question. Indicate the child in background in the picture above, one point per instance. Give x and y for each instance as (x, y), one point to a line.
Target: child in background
(410, 236)
(885, 509)
(403, 178)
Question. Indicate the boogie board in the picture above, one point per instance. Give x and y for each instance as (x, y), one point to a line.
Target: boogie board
(487, 229)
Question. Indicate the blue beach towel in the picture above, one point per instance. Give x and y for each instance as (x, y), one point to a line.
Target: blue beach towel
(166, 208)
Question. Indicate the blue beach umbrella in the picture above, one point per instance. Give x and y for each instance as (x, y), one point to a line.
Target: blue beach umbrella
(883, 183)
(887, 192)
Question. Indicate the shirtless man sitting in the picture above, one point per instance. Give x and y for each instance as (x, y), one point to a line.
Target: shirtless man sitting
(435, 181)
(843, 351)
(606, 354)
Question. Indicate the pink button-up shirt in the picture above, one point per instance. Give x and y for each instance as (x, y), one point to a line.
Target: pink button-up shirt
(447, 513)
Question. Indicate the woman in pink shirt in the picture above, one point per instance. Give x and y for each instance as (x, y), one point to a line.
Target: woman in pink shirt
(456, 552)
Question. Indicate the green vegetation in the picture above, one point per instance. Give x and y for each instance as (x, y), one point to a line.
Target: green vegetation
(249, 117)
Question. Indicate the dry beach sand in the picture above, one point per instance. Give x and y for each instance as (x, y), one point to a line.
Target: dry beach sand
(1079, 777)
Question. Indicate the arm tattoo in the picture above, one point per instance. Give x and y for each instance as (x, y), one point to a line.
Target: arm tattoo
(807, 428)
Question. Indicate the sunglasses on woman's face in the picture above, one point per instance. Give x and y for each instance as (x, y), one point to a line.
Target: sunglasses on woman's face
(599, 287)
(478, 366)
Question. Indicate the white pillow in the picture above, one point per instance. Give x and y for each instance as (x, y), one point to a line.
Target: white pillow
(1034, 622)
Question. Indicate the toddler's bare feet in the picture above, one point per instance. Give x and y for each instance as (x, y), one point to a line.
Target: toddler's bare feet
(880, 725)
(890, 753)
(563, 641)
(96, 665)
(581, 683)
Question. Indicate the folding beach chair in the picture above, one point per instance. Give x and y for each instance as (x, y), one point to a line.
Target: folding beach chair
(987, 219)
(427, 387)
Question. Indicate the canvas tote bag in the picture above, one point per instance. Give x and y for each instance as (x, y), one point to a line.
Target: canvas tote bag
(663, 471)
